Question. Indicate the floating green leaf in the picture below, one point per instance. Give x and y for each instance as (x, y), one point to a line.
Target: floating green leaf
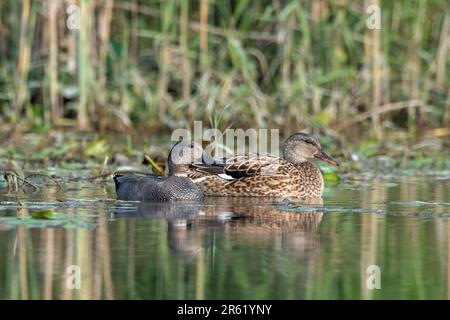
(45, 215)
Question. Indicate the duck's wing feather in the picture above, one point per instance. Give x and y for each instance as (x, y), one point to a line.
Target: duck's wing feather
(204, 168)
(252, 164)
(208, 166)
(243, 166)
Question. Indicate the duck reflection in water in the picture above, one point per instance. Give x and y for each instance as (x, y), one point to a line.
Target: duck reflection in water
(191, 226)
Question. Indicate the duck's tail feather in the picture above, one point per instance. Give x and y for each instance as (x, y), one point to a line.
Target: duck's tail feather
(116, 177)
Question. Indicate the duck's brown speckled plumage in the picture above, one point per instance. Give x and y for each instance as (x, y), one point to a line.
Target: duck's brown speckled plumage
(266, 175)
(282, 179)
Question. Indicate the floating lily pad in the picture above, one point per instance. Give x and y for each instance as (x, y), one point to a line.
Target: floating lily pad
(45, 215)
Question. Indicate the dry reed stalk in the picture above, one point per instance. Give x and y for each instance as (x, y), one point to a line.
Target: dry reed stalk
(203, 30)
(319, 10)
(71, 44)
(84, 65)
(104, 32)
(53, 61)
(23, 62)
(186, 66)
(104, 27)
(373, 56)
(442, 54)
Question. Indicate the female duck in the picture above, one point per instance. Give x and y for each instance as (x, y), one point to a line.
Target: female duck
(269, 176)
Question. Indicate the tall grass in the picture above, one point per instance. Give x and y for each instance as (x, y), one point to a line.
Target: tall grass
(290, 64)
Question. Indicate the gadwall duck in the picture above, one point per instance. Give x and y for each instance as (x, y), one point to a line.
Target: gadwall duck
(175, 187)
(257, 175)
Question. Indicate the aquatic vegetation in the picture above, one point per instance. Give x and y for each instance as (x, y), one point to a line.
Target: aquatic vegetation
(48, 219)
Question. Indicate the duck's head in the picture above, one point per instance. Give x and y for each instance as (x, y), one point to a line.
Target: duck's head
(301, 146)
(183, 154)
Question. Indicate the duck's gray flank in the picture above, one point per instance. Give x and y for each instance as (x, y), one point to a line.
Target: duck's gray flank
(136, 187)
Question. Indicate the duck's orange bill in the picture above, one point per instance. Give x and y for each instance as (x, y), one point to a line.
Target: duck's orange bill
(324, 157)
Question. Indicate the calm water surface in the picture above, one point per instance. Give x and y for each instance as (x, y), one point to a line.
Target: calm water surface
(230, 248)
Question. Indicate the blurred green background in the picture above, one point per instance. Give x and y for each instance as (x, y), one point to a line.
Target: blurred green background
(147, 64)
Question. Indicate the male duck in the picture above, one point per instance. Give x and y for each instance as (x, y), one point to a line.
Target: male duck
(139, 187)
(266, 175)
